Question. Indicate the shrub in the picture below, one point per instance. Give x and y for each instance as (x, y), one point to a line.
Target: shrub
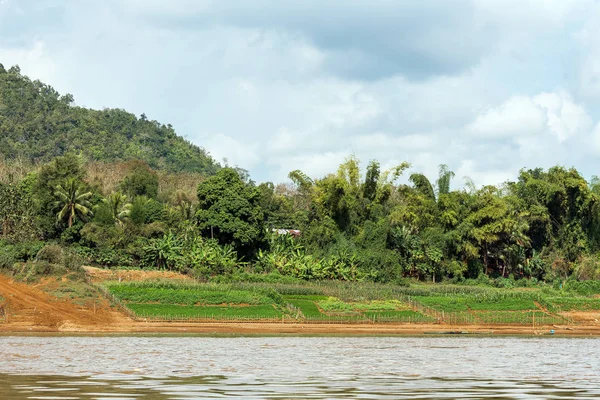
(51, 253)
(585, 288)
(588, 268)
(72, 261)
(26, 251)
(7, 256)
(32, 270)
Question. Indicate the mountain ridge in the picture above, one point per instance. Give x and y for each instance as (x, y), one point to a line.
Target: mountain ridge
(38, 123)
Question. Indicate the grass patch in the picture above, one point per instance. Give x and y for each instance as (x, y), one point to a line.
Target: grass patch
(574, 304)
(503, 305)
(334, 305)
(448, 304)
(347, 301)
(398, 316)
(465, 303)
(308, 308)
(380, 305)
(186, 295)
(168, 311)
(519, 318)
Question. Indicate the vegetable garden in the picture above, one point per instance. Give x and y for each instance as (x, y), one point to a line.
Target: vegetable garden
(345, 302)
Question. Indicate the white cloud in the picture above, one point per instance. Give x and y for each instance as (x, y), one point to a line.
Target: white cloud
(546, 113)
(235, 152)
(33, 60)
(519, 116)
(279, 90)
(565, 118)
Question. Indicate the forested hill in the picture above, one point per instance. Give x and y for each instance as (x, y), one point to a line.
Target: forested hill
(37, 123)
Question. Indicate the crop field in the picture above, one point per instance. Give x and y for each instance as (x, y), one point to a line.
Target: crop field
(348, 302)
(168, 311)
(574, 304)
(464, 303)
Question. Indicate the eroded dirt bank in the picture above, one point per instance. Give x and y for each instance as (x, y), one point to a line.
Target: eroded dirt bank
(30, 309)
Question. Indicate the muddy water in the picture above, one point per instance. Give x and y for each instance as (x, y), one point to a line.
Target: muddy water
(298, 367)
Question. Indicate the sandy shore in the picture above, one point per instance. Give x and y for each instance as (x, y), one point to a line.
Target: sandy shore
(134, 327)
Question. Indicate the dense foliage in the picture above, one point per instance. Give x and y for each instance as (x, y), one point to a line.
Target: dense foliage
(543, 226)
(354, 224)
(37, 123)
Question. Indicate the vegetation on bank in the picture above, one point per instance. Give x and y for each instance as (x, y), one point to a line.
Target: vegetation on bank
(328, 301)
(169, 208)
(542, 228)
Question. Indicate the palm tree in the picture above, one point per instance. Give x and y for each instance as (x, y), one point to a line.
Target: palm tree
(118, 206)
(72, 201)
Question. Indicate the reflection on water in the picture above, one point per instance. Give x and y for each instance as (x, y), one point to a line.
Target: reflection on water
(292, 367)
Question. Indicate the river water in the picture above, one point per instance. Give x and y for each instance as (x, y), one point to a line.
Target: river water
(188, 367)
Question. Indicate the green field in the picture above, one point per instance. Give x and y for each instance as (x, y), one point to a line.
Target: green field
(575, 304)
(187, 296)
(348, 302)
(464, 303)
(167, 311)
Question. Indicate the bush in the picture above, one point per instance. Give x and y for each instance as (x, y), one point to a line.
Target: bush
(26, 251)
(587, 269)
(72, 261)
(584, 288)
(51, 253)
(7, 256)
(32, 270)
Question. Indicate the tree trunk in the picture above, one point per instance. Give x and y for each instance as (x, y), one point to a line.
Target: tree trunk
(485, 259)
(70, 220)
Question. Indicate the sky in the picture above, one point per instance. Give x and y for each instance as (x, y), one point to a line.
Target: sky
(487, 87)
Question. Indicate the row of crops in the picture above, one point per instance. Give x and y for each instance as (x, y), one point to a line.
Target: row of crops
(343, 302)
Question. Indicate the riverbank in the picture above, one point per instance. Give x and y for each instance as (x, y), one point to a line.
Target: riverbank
(136, 327)
(58, 305)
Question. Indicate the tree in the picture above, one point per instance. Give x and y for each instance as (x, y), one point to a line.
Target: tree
(73, 202)
(17, 219)
(371, 180)
(118, 207)
(444, 178)
(45, 182)
(229, 211)
(424, 186)
(560, 208)
(140, 181)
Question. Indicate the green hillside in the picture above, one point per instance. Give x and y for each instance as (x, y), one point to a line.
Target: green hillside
(37, 123)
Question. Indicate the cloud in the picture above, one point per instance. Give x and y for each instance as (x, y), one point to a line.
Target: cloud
(362, 39)
(545, 113)
(485, 87)
(233, 152)
(519, 116)
(34, 58)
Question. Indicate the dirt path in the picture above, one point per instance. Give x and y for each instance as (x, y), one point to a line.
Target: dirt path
(28, 308)
(101, 275)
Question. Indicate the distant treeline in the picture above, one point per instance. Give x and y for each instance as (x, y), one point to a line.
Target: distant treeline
(354, 225)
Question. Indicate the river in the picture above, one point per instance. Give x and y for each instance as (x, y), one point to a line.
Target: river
(196, 367)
